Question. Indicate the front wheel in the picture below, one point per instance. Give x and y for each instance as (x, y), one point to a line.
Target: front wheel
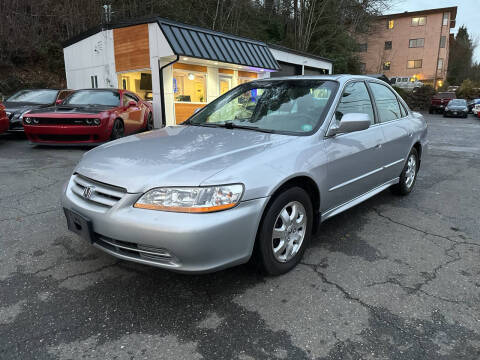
(408, 176)
(285, 231)
(118, 130)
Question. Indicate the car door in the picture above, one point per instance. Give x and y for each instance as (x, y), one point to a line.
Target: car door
(396, 127)
(354, 159)
(134, 114)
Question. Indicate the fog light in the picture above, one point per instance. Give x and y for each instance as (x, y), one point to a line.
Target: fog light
(28, 120)
(96, 121)
(36, 121)
(88, 121)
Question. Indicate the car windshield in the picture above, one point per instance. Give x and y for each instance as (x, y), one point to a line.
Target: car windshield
(457, 102)
(292, 106)
(445, 95)
(93, 97)
(43, 97)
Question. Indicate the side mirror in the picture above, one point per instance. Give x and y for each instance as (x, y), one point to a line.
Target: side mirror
(58, 102)
(349, 123)
(131, 103)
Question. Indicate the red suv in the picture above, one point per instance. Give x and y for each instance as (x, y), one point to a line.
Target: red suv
(89, 116)
(440, 101)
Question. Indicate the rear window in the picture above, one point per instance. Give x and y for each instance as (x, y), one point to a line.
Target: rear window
(444, 95)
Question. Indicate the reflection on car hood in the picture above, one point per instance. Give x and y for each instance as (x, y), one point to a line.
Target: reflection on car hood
(18, 107)
(173, 156)
(73, 109)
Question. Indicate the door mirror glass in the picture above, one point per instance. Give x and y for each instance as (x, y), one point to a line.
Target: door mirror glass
(349, 123)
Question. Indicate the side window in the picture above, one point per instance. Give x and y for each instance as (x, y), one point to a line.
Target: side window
(127, 98)
(386, 101)
(355, 99)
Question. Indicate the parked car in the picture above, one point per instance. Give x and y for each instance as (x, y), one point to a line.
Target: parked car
(24, 101)
(456, 108)
(253, 172)
(472, 108)
(4, 122)
(440, 100)
(90, 116)
(405, 82)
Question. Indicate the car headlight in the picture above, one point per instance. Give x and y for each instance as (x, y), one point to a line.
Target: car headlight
(200, 199)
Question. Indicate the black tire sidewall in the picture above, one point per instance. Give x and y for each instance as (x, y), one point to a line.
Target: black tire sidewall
(271, 265)
(114, 135)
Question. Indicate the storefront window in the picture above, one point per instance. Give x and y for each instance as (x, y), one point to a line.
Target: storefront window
(189, 86)
(225, 84)
(139, 82)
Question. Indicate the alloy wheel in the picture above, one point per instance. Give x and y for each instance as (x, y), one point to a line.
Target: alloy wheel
(411, 170)
(289, 231)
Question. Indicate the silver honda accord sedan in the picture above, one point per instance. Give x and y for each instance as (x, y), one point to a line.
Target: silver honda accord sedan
(252, 174)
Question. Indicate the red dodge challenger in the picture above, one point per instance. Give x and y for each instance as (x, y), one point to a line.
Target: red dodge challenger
(4, 121)
(89, 116)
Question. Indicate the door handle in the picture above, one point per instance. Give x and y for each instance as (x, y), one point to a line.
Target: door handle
(410, 134)
(378, 146)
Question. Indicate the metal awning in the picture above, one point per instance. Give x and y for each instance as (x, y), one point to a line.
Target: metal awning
(186, 40)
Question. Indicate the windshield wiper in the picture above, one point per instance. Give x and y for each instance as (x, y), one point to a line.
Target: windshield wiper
(232, 125)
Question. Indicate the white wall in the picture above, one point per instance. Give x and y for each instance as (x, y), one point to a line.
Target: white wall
(291, 58)
(159, 47)
(91, 56)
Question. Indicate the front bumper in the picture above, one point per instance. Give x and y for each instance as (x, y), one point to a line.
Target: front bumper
(16, 124)
(455, 113)
(67, 134)
(194, 243)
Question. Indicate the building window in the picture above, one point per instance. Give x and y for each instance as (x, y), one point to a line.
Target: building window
(363, 67)
(362, 47)
(440, 64)
(445, 19)
(189, 86)
(224, 84)
(416, 43)
(419, 21)
(443, 41)
(94, 81)
(386, 65)
(388, 45)
(390, 24)
(414, 64)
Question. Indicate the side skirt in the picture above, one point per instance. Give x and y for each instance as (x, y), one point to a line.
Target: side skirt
(355, 201)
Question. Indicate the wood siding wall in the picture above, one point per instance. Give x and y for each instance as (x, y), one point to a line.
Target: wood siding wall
(131, 48)
(184, 110)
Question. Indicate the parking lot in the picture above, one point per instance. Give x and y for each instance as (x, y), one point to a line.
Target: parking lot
(393, 278)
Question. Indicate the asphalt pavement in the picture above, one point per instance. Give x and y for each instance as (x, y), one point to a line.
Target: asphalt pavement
(393, 278)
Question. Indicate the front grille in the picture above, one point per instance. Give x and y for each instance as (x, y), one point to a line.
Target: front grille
(63, 138)
(101, 194)
(59, 121)
(136, 251)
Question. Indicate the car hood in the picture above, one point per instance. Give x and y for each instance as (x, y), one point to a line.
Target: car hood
(19, 108)
(74, 109)
(173, 156)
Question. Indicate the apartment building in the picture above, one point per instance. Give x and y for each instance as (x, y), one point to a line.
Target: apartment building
(411, 45)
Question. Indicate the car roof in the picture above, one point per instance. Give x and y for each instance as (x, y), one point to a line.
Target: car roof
(337, 77)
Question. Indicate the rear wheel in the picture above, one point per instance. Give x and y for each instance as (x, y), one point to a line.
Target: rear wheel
(150, 124)
(408, 176)
(118, 130)
(285, 231)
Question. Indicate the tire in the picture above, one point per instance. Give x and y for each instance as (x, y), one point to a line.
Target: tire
(295, 237)
(118, 130)
(430, 111)
(150, 125)
(407, 179)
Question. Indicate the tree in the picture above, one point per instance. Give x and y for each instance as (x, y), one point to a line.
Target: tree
(460, 57)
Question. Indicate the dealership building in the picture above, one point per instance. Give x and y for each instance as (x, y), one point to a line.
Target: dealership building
(178, 67)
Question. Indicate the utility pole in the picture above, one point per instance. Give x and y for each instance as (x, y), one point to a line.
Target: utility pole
(107, 13)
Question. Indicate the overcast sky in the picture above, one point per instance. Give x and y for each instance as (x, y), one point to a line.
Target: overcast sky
(468, 14)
